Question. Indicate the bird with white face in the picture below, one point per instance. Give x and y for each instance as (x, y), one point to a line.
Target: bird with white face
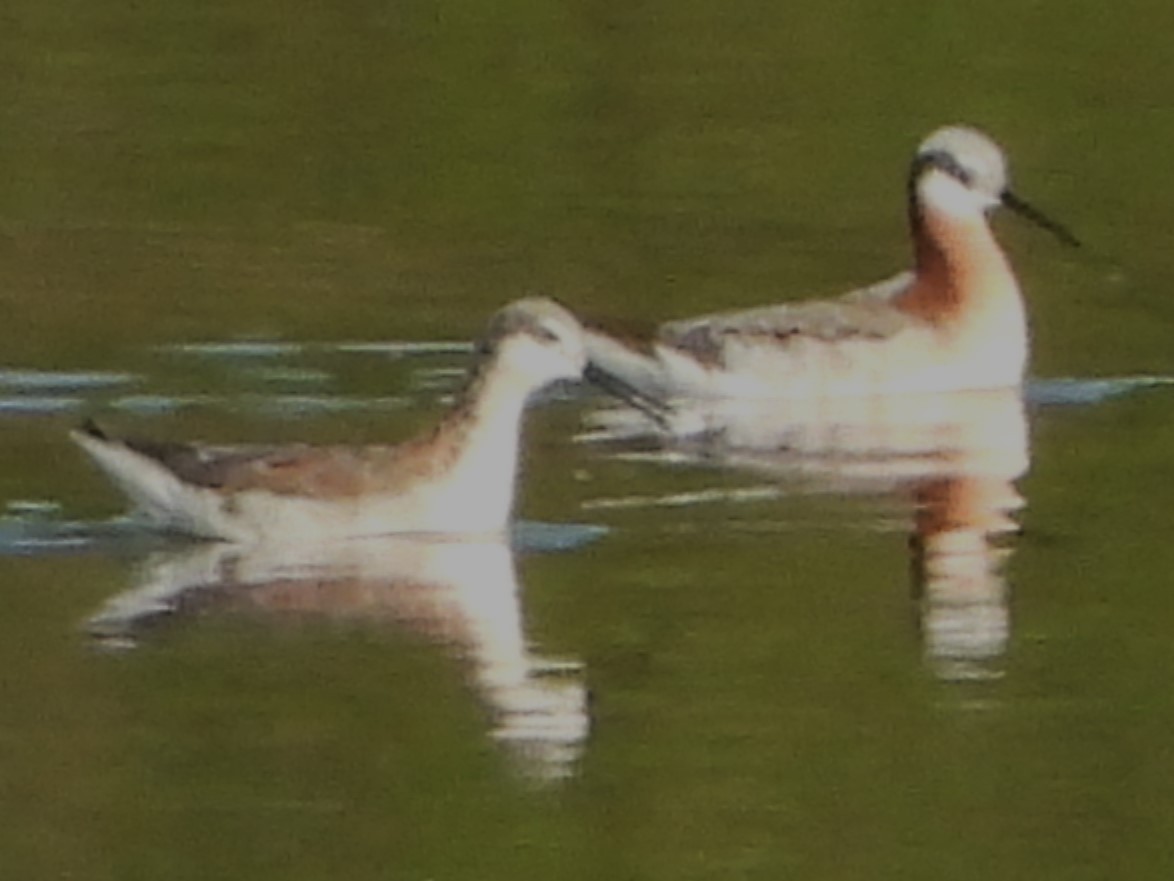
(956, 321)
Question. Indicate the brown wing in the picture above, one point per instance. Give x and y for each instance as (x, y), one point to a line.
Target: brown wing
(303, 470)
(866, 313)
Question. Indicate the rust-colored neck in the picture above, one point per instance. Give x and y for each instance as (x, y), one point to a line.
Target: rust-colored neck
(957, 262)
(482, 433)
(438, 451)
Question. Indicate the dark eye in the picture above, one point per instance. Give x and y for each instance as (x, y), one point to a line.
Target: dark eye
(544, 334)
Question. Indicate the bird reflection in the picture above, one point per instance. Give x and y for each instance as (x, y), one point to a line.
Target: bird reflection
(461, 595)
(953, 459)
(956, 570)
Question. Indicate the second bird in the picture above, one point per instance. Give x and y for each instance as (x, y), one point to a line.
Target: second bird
(956, 321)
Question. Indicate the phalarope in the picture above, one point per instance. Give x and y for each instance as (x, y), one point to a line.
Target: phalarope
(457, 478)
(956, 321)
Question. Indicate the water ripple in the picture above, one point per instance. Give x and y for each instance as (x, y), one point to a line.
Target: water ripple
(547, 538)
(38, 405)
(307, 405)
(260, 349)
(401, 348)
(160, 404)
(35, 528)
(231, 350)
(53, 380)
(1069, 391)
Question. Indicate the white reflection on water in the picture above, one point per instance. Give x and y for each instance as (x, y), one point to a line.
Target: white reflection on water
(952, 460)
(461, 595)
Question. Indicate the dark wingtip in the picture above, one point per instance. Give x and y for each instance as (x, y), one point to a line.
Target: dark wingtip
(90, 428)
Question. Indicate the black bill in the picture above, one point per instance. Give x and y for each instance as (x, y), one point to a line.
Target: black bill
(654, 408)
(1026, 209)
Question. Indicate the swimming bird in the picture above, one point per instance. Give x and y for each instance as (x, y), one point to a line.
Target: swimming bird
(956, 321)
(457, 478)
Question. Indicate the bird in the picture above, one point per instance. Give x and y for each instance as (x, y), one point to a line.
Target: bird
(956, 321)
(458, 477)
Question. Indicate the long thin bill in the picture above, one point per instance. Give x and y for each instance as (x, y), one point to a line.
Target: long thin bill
(654, 409)
(1026, 209)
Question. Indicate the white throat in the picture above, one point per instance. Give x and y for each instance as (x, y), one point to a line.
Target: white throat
(944, 194)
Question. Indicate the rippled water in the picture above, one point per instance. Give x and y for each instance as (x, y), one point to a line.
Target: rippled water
(869, 655)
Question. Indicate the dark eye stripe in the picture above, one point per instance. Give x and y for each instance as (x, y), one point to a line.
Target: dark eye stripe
(942, 161)
(543, 334)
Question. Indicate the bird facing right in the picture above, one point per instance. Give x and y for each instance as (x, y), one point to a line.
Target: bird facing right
(956, 321)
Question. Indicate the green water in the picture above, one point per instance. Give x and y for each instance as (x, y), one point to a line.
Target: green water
(761, 702)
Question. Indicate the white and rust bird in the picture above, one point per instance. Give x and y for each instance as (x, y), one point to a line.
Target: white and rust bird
(457, 478)
(956, 321)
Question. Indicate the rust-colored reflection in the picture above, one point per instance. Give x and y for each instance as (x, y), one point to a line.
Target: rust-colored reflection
(958, 550)
(955, 458)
